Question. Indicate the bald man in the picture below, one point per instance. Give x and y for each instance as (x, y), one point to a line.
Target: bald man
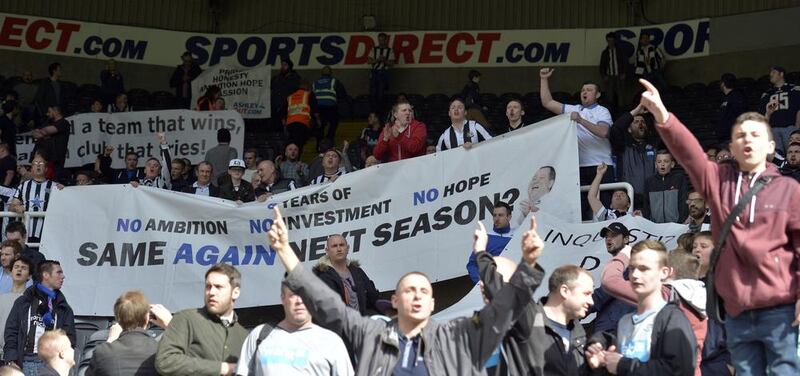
(346, 277)
(270, 181)
(56, 351)
(548, 338)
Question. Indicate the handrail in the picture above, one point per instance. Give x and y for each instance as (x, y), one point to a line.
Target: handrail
(25, 216)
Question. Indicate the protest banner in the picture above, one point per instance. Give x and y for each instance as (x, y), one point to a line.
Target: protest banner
(412, 49)
(415, 214)
(245, 91)
(569, 243)
(189, 134)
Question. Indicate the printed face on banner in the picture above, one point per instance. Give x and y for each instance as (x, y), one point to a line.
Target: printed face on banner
(421, 217)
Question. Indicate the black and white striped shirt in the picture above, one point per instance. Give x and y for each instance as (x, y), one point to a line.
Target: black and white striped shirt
(325, 179)
(34, 196)
(613, 67)
(451, 138)
(648, 59)
(377, 53)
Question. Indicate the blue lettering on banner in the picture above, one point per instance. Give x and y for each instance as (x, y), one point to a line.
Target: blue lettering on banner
(429, 195)
(194, 46)
(210, 254)
(330, 45)
(126, 225)
(257, 55)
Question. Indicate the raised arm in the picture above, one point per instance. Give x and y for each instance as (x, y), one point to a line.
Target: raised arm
(544, 92)
(325, 306)
(612, 280)
(680, 141)
(495, 319)
(166, 160)
(593, 196)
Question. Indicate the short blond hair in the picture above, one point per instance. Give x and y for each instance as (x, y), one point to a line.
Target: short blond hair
(50, 344)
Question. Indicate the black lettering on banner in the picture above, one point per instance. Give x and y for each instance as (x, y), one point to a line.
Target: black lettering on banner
(590, 263)
(124, 254)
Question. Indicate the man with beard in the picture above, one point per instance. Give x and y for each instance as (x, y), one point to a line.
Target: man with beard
(610, 309)
(792, 166)
(205, 341)
(698, 212)
(620, 201)
(635, 152)
(540, 185)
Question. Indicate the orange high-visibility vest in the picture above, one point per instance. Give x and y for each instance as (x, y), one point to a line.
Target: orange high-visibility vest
(299, 110)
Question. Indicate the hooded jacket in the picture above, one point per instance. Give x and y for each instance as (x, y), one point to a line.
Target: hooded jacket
(665, 197)
(365, 289)
(688, 294)
(456, 347)
(760, 256)
(17, 325)
(408, 144)
(672, 346)
(532, 347)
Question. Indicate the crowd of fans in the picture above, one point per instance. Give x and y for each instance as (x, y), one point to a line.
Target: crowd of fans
(652, 316)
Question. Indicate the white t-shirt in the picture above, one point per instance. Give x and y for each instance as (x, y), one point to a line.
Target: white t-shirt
(310, 351)
(592, 150)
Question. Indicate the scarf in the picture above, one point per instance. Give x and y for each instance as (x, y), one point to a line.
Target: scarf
(51, 296)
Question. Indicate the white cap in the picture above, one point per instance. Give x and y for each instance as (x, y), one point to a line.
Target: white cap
(236, 163)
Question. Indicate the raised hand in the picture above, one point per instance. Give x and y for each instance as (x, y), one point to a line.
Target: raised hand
(601, 169)
(532, 244)
(545, 73)
(595, 356)
(481, 238)
(278, 236)
(162, 138)
(651, 100)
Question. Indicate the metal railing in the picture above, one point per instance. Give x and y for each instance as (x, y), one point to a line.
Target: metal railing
(613, 187)
(25, 217)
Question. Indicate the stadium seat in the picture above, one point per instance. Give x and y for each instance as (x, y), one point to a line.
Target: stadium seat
(139, 99)
(361, 107)
(791, 77)
(90, 90)
(163, 100)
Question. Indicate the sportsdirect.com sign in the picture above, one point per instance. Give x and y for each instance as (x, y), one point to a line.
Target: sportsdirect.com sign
(411, 49)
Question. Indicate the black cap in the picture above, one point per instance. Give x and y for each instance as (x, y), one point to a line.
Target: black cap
(617, 228)
(779, 69)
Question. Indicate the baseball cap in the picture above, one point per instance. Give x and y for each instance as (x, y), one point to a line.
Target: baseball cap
(617, 228)
(236, 163)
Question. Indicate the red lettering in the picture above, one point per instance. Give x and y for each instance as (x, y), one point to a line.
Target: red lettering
(66, 32)
(404, 45)
(452, 48)
(432, 43)
(354, 56)
(10, 30)
(486, 40)
(33, 32)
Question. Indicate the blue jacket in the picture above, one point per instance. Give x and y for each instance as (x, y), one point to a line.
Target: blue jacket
(609, 310)
(498, 239)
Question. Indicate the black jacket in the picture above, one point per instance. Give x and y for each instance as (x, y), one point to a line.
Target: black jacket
(176, 80)
(244, 194)
(673, 347)
(636, 160)
(532, 347)
(134, 353)
(17, 326)
(364, 287)
(605, 61)
(733, 105)
(665, 197)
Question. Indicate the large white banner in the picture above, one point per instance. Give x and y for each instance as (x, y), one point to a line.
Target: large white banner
(189, 134)
(416, 214)
(245, 91)
(412, 49)
(570, 243)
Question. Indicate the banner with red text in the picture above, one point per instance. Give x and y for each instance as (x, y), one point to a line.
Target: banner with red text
(411, 49)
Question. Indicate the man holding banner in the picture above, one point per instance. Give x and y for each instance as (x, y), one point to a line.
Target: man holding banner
(458, 347)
